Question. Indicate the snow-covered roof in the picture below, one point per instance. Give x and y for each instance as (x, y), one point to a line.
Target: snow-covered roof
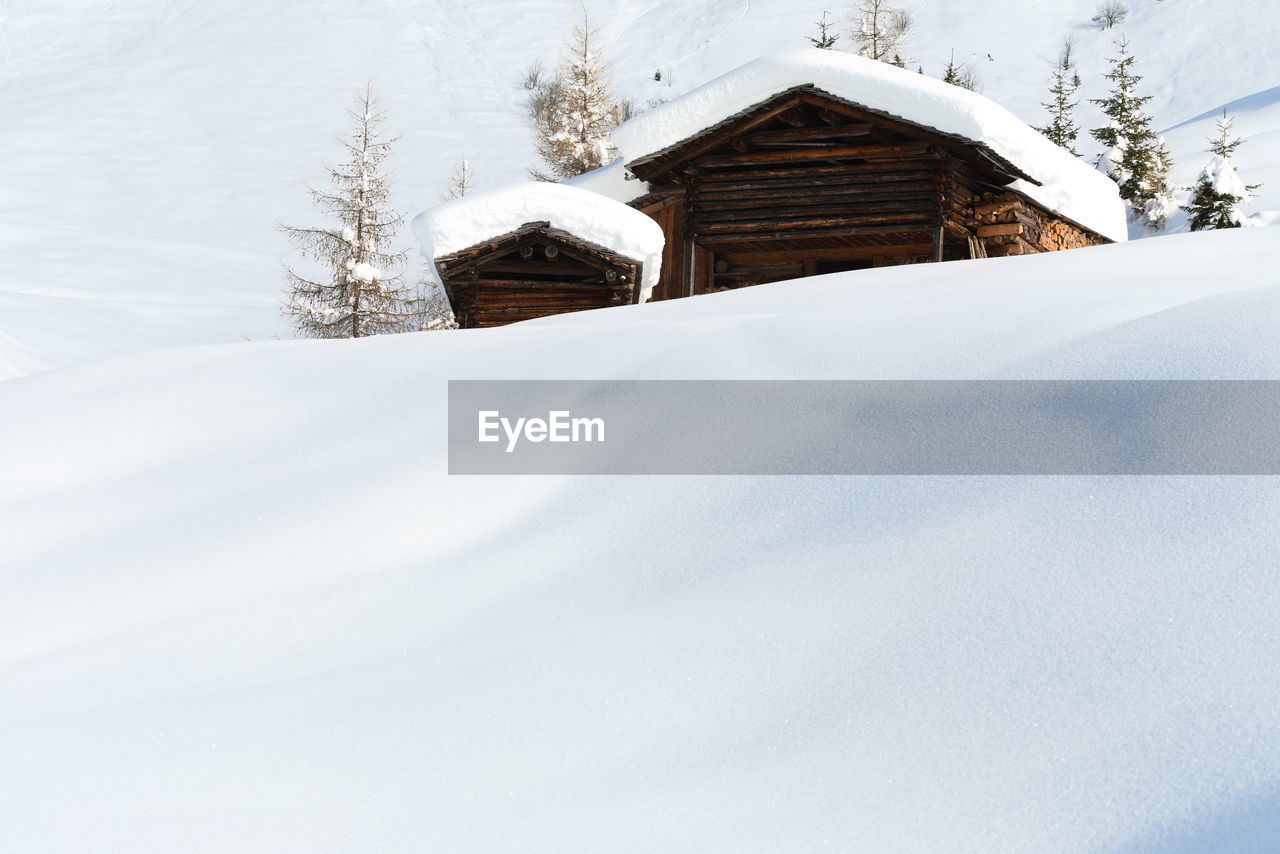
(1067, 185)
(592, 217)
(611, 180)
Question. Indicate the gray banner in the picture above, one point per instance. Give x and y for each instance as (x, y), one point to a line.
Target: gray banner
(864, 427)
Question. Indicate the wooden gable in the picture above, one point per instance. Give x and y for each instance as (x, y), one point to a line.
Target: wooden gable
(806, 124)
(534, 271)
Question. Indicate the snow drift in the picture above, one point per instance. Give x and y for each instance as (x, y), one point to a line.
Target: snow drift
(245, 609)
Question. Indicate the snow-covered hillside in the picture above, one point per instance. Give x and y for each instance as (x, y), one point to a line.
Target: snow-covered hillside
(148, 147)
(245, 609)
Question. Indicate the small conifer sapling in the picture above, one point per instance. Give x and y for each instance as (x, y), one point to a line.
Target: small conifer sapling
(1219, 192)
(827, 37)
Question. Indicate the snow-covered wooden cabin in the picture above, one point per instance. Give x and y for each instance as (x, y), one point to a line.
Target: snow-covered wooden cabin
(538, 249)
(819, 161)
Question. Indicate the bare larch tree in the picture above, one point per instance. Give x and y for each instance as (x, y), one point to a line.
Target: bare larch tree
(878, 31)
(461, 182)
(362, 291)
(573, 112)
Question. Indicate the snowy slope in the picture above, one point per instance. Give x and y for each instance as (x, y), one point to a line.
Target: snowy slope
(245, 609)
(148, 147)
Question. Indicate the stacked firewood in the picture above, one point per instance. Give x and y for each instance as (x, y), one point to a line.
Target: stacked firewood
(1009, 224)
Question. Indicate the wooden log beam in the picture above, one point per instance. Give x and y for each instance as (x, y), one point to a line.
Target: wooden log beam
(538, 310)
(997, 208)
(826, 152)
(493, 286)
(768, 188)
(791, 202)
(881, 134)
(851, 195)
(1004, 250)
(538, 298)
(811, 170)
(537, 267)
(529, 312)
(764, 189)
(920, 206)
(829, 222)
(1025, 218)
(792, 116)
(831, 117)
(887, 231)
(996, 230)
(845, 253)
(839, 131)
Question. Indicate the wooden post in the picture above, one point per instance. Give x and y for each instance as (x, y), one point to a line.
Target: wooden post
(690, 238)
(690, 265)
(941, 182)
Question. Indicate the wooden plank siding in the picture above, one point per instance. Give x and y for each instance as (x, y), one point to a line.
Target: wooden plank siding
(806, 183)
(666, 210)
(533, 272)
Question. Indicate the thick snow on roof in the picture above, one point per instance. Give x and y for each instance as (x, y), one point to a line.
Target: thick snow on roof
(1068, 185)
(611, 180)
(463, 223)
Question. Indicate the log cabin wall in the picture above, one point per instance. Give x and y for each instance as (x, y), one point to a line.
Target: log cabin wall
(769, 224)
(534, 272)
(666, 210)
(806, 184)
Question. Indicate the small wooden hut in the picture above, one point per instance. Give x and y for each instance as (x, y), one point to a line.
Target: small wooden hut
(534, 271)
(538, 249)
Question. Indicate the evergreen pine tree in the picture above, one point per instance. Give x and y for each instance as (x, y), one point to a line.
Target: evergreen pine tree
(961, 75)
(879, 30)
(1219, 193)
(363, 291)
(1062, 127)
(952, 74)
(826, 39)
(1136, 158)
(573, 113)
